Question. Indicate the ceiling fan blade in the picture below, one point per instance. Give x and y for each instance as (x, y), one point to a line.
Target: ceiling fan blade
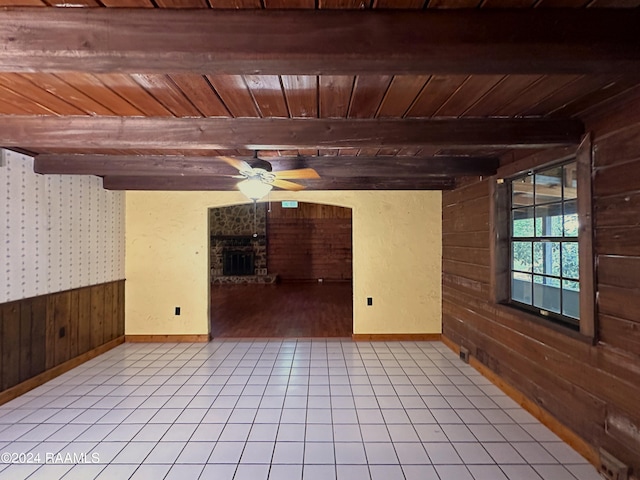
(239, 165)
(286, 185)
(297, 174)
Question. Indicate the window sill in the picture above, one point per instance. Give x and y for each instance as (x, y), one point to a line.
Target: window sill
(545, 322)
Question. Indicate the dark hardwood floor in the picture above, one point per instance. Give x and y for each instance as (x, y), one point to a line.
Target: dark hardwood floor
(282, 310)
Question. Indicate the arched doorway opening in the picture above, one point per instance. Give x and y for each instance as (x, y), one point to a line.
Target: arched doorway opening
(283, 270)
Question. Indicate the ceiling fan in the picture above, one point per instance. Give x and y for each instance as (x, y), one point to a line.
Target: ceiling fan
(259, 177)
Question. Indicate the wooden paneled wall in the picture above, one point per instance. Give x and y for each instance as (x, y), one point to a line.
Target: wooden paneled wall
(42, 332)
(309, 242)
(592, 390)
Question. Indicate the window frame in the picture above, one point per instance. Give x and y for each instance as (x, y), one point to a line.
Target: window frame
(544, 239)
(500, 229)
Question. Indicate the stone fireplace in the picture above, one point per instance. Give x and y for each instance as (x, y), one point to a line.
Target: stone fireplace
(239, 245)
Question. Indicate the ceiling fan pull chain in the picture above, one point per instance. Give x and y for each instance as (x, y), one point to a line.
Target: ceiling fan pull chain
(255, 222)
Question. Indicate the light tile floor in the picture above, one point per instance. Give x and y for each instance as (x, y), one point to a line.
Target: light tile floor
(279, 410)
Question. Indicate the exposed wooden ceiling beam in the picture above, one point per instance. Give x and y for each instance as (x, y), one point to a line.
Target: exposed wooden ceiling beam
(228, 184)
(34, 132)
(337, 166)
(320, 42)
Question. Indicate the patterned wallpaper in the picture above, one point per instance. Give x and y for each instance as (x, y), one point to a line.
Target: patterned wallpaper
(57, 232)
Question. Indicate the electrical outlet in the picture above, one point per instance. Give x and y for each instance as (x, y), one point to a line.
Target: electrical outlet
(464, 354)
(612, 468)
(369, 301)
(177, 310)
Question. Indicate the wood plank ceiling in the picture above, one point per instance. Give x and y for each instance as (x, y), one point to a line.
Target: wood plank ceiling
(370, 93)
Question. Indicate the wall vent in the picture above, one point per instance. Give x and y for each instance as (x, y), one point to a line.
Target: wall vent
(612, 468)
(464, 354)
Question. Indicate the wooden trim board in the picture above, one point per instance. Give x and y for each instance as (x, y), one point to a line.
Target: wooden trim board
(396, 337)
(203, 338)
(567, 435)
(56, 371)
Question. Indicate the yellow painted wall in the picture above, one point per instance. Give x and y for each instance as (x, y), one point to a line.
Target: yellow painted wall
(397, 254)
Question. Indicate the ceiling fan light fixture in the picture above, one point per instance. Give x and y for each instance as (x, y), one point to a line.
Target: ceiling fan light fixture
(254, 188)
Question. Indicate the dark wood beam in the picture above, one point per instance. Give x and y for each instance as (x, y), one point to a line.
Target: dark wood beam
(321, 42)
(138, 133)
(337, 166)
(226, 184)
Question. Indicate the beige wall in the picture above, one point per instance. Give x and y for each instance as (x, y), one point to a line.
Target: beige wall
(397, 252)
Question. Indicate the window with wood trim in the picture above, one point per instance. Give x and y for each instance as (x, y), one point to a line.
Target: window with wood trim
(542, 252)
(544, 267)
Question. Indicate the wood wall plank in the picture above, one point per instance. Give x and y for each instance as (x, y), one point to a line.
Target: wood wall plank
(108, 313)
(97, 316)
(618, 241)
(617, 179)
(121, 309)
(10, 344)
(619, 271)
(62, 317)
(618, 210)
(25, 341)
(30, 329)
(74, 323)
(84, 320)
(38, 335)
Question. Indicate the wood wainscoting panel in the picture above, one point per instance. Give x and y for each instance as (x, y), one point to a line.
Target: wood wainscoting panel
(37, 380)
(41, 333)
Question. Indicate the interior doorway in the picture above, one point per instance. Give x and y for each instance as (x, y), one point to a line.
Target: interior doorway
(281, 270)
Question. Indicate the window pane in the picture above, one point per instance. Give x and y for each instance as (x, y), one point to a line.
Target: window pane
(546, 293)
(521, 256)
(570, 181)
(571, 219)
(521, 287)
(546, 258)
(570, 262)
(548, 185)
(549, 220)
(522, 222)
(571, 299)
(522, 192)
